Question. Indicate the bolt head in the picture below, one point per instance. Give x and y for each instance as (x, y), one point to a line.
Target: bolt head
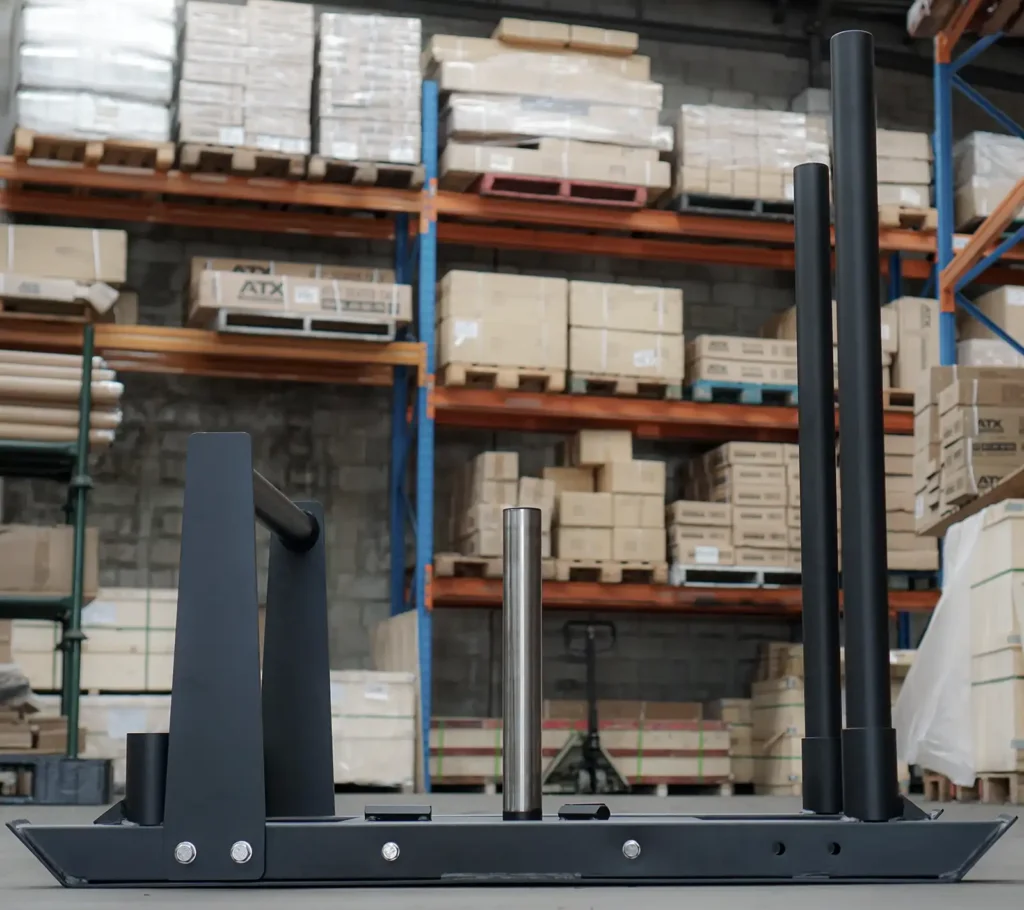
(241, 852)
(631, 849)
(185, 852)
(390, 851)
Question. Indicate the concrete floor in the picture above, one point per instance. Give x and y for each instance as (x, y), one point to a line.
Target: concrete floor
(996, 882)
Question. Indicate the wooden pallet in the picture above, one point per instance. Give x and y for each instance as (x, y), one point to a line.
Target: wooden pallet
(480, 376)
(908, 216)
(365, 173)
(898, 399)
(940, 789)
(715, 204)
(625, 386)
(299, 325)
(611, 572)
(581, 192)
(996, 789)
(28, 145)
(47, 310)
(733, 576)
(742, 393)
(455, 565)
(244, 162)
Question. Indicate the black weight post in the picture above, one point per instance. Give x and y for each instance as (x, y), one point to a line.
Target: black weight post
(819, 554)
(870, 787)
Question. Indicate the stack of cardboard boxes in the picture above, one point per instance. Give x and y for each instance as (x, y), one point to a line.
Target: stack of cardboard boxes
(609, 507)
(747, 154)
(761, 484)
(728, 359)
(516, 322)
(247, 75)
(368, 97)
(621, 331)
(738, 718)
(986, 166)
(914, 325)
(700, 533)
(580, 95)
(904, 172)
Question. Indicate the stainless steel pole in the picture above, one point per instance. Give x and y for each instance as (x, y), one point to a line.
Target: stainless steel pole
(521, 661)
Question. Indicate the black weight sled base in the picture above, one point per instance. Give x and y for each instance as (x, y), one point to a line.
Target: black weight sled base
(240, 791)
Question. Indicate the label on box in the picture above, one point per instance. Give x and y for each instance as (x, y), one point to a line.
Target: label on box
(376, 691)
(231, 135)
(466, 330)
(504, 163)
(705, 555)
(307, 294)
(122, 721)
(346, 151)
(647, 358)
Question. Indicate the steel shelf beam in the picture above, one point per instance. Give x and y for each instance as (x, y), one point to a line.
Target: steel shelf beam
(485, 593)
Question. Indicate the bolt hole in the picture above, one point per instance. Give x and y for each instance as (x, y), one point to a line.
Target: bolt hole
(833, 849)
(778, 848)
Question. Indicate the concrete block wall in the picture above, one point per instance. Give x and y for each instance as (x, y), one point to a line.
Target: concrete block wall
(331, 443)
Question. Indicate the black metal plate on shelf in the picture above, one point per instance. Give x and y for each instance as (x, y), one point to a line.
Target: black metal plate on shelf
(56, 780)
(476, 850)
(44, 460)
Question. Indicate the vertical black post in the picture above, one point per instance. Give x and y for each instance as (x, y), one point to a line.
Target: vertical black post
(870, 788)
(819, 546)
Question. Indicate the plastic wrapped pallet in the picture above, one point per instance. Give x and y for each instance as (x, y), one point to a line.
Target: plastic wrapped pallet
(368, 94)
(96, 69)
(247, 75)
(986, 166)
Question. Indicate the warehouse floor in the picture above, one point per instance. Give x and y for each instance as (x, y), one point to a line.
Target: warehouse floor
(997, 881)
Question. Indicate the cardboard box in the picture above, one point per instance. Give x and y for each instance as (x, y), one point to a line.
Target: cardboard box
(484, 516)
(791, 453)
(597, 447)
(748, 473)
(792, 518)
(632, 354)
(357, 301)
(728, 347)
(490, 491)
(531, 33)
(784, 326)
(749, 494)
(1004, 306)
(638, 544)
(967, 452)
(537, 493)
(926, 427)
(496, 466)
(703, 514)
(80, 254)
(1001, 393)
(793, 476)
(904, 171)
(644, 477)
(899, 465)
(904, 144)
(981, 422)
(630, 510)
(501, 343)
(755, 557)
(965, 482)
(708, 370)
(624, 307)
(900, 523)
(699, 554)
(752, 453)
(521, 299)
(1002, 541)
(570, 480)
(773, 537)
(926, 465)
(935, 380)
(201, 264)
(585, 510)
(793, 536)
(96, 297)
(603, 40)
(37, 561)
(492, 543)
(583, 543)
(898, 444)
(682, 537)
(760, 517)
(917, 328)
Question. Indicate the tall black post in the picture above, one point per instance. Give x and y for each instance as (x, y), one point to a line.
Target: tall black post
(819, 546)
(871, 791)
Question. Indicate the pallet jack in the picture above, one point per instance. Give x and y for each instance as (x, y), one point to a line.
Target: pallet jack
(240, 791)
(582, 765)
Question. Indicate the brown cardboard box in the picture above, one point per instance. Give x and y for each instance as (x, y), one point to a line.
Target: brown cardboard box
(904, 144)
(496, 342)
(705, 369)
(682, 537)
(638, 544)
(603, 40)
(1004, 306)
(794, 559)
(748, 473)
(491, 543)
(749, 494)
(630, 510)
(597, 447)
(5, 642)
(967, 452)
(770, 538)
(484, 516)
(295, 269)
(531, 33)
(793, 536)
(904, 171)
(80, 254)
(489, 491)
(760, 517)
(898, 444)
(756, 557)
(539, 494)
(356, 300)
(585, 510)
(917, 321)
(792, 518)
(570, 480)
(791, 453)
(578, 147)
(1001, 393)
(926, 465)
(707, 514)
(643, 477)
(37, 561)
(926, 427)
(633, 354)
(784, 326)
(520, 299)
(624, 307)
(754, 453)
(793, 476)
(583, 543)
(728, 347)
(980, 422)
(703, 554)
(899, 465)
(965, 482)
(496, 466)
(914, 560)
(935, 380)
(899, 523)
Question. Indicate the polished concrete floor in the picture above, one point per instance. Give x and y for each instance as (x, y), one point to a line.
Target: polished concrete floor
(996, 882)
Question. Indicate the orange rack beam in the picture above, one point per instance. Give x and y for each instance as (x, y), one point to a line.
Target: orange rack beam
(485, 593)
(539, 412)
(197, 352)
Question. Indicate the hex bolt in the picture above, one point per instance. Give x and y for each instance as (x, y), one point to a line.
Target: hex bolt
(241, 852)
(185, 852)
(631, 849)
(390, 851)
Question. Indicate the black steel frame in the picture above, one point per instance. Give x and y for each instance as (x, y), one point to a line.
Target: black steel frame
(240, 791)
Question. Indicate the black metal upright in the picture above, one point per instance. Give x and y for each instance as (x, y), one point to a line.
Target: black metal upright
(871, 791)
(822, 749)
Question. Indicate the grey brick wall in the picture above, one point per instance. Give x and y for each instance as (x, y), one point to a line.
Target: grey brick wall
(332, 443)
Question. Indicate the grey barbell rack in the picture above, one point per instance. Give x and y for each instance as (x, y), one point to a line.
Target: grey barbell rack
(240, 792)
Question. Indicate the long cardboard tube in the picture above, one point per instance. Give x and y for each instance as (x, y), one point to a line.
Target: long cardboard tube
(45, 415)
(43, 433)
(62, 390)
